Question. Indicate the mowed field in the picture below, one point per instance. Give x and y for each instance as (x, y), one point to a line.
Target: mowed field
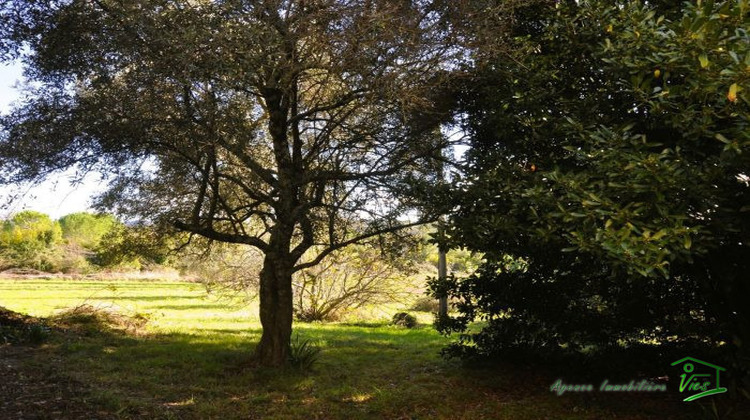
(192, 360)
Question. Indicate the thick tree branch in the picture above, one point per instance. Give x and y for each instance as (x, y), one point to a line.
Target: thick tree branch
(221, 236)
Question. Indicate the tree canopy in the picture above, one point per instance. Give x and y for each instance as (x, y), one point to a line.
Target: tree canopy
(86, 229)
(27, 239)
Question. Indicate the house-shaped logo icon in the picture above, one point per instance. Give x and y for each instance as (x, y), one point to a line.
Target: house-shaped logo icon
(699, 376)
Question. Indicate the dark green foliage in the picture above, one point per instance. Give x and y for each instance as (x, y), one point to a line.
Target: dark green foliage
(303, 353)
(587, 142)
(135, 247)
(609, 161)
(561, 301)
(37, 333)
(404, 319)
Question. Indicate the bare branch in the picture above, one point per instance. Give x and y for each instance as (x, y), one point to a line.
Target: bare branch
(357, 239)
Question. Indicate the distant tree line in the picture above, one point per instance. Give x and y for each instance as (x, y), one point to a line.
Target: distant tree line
(76, 243)
(381, 272)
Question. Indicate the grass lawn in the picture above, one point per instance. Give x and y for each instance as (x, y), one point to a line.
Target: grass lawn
(191, 360)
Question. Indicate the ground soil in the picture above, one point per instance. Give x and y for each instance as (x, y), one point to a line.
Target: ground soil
(28, 391)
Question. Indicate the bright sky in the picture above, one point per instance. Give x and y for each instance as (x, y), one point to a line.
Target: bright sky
(55, 196)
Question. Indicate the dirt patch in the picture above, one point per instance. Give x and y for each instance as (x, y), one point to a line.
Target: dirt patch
(33, 392)
(23, 272)
(27, 393)
(146, 276)
(13, 319)
(17, 328)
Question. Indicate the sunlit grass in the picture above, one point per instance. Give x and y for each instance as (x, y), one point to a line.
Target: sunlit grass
(193, 360)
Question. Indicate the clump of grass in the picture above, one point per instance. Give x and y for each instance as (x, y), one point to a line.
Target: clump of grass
(303, 353)
(37, 333)
(89, 320)
(404, 319)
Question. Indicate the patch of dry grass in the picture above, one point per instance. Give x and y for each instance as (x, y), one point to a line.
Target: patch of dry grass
(87, 319)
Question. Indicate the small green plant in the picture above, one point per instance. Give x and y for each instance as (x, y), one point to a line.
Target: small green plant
(303, 353)
(37, 333)
(404, 319)
(25, 334)
(7, 335)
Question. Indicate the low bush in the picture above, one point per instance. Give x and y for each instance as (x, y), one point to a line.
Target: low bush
(426, 304)
(404, 319)
(348, 280)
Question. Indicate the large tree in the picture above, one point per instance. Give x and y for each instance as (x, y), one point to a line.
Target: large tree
(612, 163)
(291, 126)
(85, 229)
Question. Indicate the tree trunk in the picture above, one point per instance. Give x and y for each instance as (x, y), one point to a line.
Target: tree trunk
(275, 312)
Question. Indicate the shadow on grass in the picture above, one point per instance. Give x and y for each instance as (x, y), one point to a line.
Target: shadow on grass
(364, 372)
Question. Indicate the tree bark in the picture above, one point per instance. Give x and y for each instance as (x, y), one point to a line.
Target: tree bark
(276, 299)
(275, 311)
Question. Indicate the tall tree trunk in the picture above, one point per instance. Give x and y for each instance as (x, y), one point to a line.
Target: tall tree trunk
(275, 311)
(276, 300)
